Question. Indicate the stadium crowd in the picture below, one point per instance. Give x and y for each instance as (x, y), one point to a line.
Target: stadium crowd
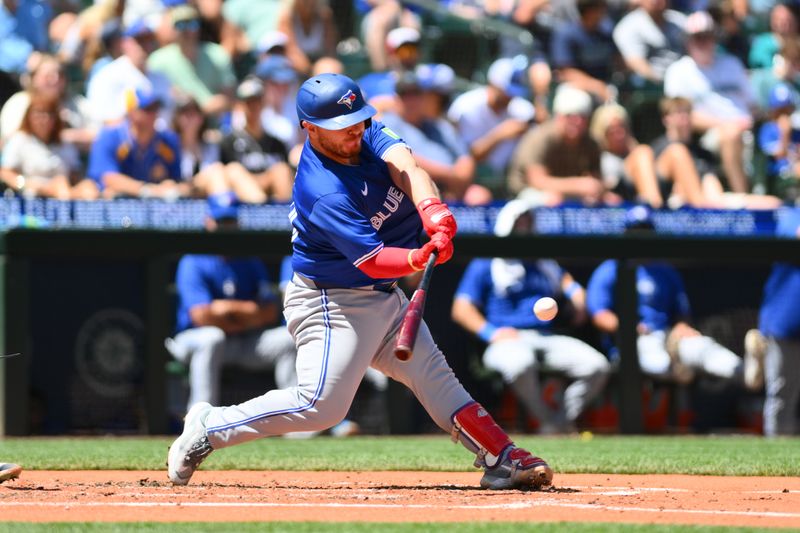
(689, 104)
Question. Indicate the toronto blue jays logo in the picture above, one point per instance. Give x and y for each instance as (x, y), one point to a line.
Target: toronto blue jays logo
(348, 99)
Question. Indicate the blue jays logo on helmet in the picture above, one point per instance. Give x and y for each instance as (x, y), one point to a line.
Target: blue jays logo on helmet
(347, 99)
(332, 102)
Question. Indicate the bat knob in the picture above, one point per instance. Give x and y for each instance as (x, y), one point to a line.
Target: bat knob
(404, 354)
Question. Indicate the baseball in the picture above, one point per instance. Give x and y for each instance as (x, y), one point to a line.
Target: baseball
(545, 308)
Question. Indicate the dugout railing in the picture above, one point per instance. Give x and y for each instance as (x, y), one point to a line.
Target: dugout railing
(153, 252)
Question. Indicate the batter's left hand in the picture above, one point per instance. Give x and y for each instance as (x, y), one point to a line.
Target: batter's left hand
(437, 217)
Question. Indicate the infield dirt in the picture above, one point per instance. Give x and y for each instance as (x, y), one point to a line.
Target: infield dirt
(230, 496)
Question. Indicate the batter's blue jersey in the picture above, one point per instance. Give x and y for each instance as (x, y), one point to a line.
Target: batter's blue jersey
(505, 291)
(115, 150)
(662, 296)
(343, 215)
(200, 279)
(779, 316)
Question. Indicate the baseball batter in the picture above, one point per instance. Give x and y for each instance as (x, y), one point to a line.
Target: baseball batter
(360, 202)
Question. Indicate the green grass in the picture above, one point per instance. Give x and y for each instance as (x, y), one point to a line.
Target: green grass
(327, 527)
(712, 455)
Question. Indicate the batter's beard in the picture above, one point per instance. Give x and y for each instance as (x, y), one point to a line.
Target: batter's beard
(344, 150)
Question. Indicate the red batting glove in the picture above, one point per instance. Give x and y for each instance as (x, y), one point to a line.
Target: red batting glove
(444, 244)
(418, 257)
(436, 217)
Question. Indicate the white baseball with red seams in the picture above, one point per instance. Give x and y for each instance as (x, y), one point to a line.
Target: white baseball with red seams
(545, 309)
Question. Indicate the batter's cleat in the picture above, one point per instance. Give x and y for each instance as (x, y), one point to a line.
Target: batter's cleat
(517, 469)
(755, 349)
(9, 471)
(191, 448)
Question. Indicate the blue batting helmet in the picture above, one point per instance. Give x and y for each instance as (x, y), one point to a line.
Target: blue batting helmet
(332, 102)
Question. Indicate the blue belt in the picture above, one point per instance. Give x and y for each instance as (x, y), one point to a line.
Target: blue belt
(303, 281)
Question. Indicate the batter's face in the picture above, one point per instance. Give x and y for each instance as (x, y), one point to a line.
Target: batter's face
(343, 146)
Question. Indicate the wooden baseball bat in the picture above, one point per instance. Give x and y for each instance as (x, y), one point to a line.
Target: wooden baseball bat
(407, 336)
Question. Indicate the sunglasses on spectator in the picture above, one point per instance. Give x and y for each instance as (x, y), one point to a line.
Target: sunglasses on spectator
(187, 25)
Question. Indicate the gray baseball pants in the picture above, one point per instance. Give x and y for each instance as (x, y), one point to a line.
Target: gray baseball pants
(518, 360)
(700, 353)
(782, 384)
(208, 349)
(339, 333)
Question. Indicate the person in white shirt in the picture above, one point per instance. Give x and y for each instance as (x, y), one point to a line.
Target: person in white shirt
(492, 118)
(650, 38)
(718, 87)
(107, 88)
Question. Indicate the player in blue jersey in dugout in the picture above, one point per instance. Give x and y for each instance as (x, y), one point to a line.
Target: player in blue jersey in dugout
(360, 203)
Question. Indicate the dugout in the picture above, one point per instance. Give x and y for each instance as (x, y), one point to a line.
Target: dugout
(63, 290)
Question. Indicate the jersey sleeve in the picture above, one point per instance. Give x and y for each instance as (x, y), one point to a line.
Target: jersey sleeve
(380, 138)
(769, 138)
(102, 156)
(475, 283)
(346, 228)
(681, 299)
(191, 287)
(600, 290)
(173, 162)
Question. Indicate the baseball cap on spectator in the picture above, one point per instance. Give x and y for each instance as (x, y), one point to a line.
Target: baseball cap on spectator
(271, 42)
(436, 77)
(511, 212)
(407, 82)
(699, 23)
(183, 14)
(223, 206)
(781, 96)
(141, 98)
(250, 87)
(571, 101)
(276, 69)
(111, 30)
(137, 28)
(510, 75)
(401, 36)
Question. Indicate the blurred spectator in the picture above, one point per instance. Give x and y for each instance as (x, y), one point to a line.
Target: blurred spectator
(779, 321)
(558, 160)
(200, 149)
(200, 69)
(668, 347)
(494, 302)
(684, 166)
(584, 54)
(252, 19)
(627, 167)
(108, 87)
(785, 69)
(783, 27)
(35, 162)
(779, 139)
(732, 34)
(228, 315)
(650, 38)
(46, 75)
(76, 35)
(310, 30)
(279, 116)
(437, 147)
(402, 55)
(23, 30)
(134, 158)
(255, 161)
(493, 118)
(103, 50)
(718, 86)
(271, 43)
(378, 19)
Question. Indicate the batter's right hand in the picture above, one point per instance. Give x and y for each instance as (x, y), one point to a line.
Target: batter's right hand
(440, 242)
